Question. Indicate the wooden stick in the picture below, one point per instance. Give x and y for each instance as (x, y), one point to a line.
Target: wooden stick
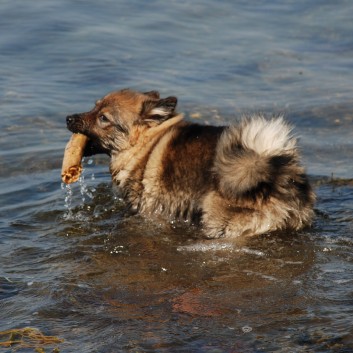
(72, 167)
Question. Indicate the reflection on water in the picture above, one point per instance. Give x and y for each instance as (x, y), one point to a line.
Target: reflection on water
(75, 265)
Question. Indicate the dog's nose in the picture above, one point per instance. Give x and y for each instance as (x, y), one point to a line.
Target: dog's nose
(70, 119)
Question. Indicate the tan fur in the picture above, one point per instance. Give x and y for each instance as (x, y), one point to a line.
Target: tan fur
(234, 181)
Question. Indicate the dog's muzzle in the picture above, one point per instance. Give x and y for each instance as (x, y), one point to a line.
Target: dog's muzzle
(74, 123)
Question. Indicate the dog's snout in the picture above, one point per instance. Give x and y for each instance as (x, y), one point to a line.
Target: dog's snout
(70, 119)
(74, 123)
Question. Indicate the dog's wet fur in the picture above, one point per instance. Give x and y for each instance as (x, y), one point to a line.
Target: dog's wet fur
(237, 180)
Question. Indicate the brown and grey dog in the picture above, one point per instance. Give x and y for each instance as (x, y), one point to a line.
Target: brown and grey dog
(239, 180)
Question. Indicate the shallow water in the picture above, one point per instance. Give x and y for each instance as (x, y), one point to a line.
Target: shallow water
(74, 265)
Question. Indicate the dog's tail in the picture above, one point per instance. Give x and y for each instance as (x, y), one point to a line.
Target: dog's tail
(256, 158)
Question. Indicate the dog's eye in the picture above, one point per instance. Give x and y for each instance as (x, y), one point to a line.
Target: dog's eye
(102, 118)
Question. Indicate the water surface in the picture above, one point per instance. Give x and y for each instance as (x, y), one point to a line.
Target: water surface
(74, 265)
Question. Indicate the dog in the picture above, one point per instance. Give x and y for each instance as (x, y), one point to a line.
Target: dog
(238, 180)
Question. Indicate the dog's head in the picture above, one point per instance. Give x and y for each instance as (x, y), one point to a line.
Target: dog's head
(119, 118)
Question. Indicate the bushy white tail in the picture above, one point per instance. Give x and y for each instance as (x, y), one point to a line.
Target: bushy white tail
(267, 137)
(254, 154)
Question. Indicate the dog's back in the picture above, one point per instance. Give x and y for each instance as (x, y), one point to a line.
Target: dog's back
(237, 180)
(177, 174)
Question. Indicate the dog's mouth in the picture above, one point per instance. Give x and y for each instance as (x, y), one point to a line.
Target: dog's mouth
(75, 124)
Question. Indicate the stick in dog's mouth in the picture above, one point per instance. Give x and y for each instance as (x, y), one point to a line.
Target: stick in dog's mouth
(72, 167)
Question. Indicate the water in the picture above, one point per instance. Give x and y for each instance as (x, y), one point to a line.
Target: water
(74, 265)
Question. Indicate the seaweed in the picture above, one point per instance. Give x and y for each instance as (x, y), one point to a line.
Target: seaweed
(28, 337)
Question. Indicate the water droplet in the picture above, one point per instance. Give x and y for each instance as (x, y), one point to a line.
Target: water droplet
(84, 191)
(246, 329)
(68, 197)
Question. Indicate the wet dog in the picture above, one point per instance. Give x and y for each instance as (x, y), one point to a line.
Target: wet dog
(234, 181)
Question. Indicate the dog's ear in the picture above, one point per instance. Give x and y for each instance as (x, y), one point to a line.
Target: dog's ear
(152, 94)
(159, 110)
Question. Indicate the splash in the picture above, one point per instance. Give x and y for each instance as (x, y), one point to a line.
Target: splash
(75, 207)
(219, 245)
(68, 200)
(84, 190)
(207, 246)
